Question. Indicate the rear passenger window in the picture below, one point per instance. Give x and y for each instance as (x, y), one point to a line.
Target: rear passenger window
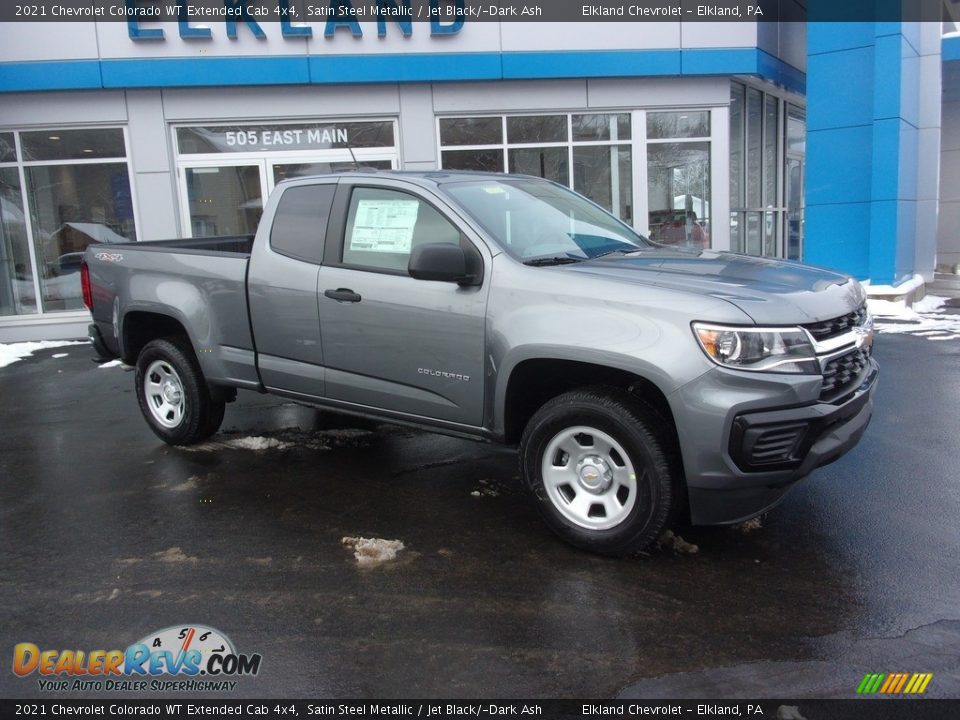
(300, 223)
(383, 226)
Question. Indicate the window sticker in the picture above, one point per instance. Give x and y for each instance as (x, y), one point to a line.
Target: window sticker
(384, 226)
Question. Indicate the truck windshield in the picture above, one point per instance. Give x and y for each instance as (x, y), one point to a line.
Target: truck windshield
(539, 222)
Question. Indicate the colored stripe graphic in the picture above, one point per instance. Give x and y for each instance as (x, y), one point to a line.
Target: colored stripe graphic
(894, 683)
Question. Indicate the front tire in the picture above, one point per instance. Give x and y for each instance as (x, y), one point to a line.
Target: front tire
(602, 470)
(173, 394)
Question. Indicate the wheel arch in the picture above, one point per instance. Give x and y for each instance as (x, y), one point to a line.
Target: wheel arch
(139, 327)
(533, 381)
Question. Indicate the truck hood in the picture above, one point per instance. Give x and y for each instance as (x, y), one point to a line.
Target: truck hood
(769, 291)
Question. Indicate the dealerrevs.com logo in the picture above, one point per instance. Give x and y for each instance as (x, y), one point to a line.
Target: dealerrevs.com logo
(177, 658)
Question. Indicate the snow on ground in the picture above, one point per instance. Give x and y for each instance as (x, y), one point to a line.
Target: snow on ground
(925, 319)
(12, 352)
(60, 355)
(111, 364)
(257, 443)
(373, 551)
(286, 440)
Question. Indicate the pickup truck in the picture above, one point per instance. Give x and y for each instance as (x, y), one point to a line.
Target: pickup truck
(642, 384)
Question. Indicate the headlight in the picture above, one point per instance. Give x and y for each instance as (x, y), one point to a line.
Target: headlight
(777, 350)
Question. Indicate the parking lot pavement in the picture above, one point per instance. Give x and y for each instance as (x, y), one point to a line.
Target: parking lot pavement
(107, 535)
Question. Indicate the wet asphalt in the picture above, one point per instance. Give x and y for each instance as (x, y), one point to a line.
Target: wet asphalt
(106, 534)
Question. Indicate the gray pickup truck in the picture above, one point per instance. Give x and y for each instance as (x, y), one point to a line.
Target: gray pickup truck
(642, 384)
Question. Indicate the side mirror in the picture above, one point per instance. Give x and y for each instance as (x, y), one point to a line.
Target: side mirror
(438, 261)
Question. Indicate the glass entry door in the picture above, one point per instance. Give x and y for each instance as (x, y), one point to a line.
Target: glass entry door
(227, 172)
(222, 199)
(228, 198)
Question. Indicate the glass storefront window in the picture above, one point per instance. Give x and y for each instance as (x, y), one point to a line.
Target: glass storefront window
(8, 147)
(592, 163)
(678, 193)
(546, 162)
(771, 136)
(480, 160)
(737, 100)
(72, 144)
(17, 294)
(796, 130)
(527, 129)
(681, 124)
(75, 192)
(601, 127)
(471, 131)
(754, 148)
(603, 174)
(71, 207)
(224, 200)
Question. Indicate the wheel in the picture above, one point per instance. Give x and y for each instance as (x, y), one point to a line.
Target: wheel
(173, 394)
(601, 469)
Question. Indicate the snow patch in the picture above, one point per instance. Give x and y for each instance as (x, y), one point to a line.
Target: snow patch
(677, 543)
(11, 352)
(174, 555)
(287, 440)
(749, 526)
(924, 319)
(60, 355)
(112, 364)
(373, 551)
(257, 442)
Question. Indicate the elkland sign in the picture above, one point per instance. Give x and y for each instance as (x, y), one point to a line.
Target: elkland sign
(445, 17)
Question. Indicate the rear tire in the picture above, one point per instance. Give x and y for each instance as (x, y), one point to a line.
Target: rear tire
(602, 470)
(173, 394)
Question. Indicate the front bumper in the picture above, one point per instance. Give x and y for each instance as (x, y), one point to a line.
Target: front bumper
(765, 451)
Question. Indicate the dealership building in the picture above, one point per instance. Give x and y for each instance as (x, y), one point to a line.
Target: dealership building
(834, 143)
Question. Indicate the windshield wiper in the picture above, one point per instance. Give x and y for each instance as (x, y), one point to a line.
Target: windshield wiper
(556, 260)
(615, 252)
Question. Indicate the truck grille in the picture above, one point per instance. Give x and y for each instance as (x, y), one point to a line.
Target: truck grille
(842, 373)
(837, 326)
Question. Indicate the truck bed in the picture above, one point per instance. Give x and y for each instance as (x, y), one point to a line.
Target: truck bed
(198, 282)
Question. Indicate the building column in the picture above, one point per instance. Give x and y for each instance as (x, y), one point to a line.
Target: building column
(872, 148)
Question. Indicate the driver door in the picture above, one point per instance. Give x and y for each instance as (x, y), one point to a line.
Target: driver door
(390, 341)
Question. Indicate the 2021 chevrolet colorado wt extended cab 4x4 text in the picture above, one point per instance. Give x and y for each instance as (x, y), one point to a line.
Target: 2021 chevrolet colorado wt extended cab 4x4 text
(641, 383)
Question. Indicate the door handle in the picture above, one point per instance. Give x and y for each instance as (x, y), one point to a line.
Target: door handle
(343, 295)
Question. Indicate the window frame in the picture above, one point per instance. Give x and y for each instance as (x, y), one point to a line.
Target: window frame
(569, 144)
(21, 166)
(636, 145)
(339, 216)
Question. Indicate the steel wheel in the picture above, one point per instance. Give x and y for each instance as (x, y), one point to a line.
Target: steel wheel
(164, 394)
(589, 477)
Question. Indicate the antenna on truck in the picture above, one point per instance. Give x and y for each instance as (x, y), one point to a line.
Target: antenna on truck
(357, 167)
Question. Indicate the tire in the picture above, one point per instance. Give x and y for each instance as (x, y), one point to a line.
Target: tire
(173, 394)
(602, 470)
